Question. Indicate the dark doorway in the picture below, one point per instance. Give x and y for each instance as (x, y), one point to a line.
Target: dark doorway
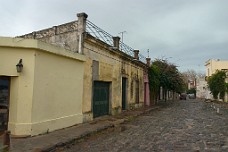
(100, 99)
(137, 91)
(4, 102)
(145, 93)
(124, 95)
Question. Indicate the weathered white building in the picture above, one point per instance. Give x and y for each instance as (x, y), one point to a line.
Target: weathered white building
(201, 88)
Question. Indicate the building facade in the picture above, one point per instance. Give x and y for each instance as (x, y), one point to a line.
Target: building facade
(211, 67)
(201, 87)
(115, 77)
(44, 92)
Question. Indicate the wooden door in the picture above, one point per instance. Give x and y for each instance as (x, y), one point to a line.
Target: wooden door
(100, 99)
(4, 102)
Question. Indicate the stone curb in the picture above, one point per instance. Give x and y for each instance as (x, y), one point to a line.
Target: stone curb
(74, 139)
(111, 124)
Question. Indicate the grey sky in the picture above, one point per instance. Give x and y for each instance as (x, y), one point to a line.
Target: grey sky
(186, 32)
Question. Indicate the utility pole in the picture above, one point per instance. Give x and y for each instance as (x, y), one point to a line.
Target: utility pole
(122, 38)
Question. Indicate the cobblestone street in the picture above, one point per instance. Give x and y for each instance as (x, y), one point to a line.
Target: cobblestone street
(189, 125)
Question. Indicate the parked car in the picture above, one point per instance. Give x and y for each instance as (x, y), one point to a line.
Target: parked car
(191, 96)
(183, 96)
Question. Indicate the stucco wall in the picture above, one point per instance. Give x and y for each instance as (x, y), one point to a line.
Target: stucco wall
(201, 86)
(65, 35)
(47, 94)
(57, 92)
(213, 65)
(21, 88)
(111, 68)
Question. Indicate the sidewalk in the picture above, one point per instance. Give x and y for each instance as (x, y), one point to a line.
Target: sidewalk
(50, 141)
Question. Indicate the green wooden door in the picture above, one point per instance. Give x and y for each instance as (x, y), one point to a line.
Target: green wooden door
(100, 99)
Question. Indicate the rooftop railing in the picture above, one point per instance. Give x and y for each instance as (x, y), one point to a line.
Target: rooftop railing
(104, 36)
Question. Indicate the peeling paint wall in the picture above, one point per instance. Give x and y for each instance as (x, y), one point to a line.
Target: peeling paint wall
(65, 35)
(106, 65)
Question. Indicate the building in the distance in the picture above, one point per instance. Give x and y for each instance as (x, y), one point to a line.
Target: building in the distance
(191, 83)
(211, 67)
(201, 88)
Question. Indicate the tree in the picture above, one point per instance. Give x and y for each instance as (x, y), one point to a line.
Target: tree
(189, 75)
(169, 77)
(217, 84)
(192, 74)
(154, 81)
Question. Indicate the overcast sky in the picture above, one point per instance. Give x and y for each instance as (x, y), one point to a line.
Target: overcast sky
(185, 32)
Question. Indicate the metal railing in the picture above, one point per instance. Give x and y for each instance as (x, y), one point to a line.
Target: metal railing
(104, 36)
(98, 33)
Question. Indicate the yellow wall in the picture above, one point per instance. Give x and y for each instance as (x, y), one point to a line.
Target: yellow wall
(213, 65)
(21, 87)
(57, 92)
(47, 94)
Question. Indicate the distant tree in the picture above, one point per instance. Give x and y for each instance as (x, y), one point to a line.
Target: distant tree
(154, 81)
(191, 75)
(217, 84)
(169, 77)
(181, 86)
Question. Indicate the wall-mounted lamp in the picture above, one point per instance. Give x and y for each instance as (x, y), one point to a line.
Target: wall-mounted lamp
(19, 66)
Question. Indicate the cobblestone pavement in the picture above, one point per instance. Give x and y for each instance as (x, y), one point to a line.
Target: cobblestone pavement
(190, 125)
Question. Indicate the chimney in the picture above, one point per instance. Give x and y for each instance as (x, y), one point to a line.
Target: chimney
(55, 29)
(34, 35)
(136, 54)
(148, 61)
(116, 42)
(81, 30)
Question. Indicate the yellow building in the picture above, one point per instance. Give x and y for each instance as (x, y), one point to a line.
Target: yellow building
(211, 67)
(45, 93)
(115, 76)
